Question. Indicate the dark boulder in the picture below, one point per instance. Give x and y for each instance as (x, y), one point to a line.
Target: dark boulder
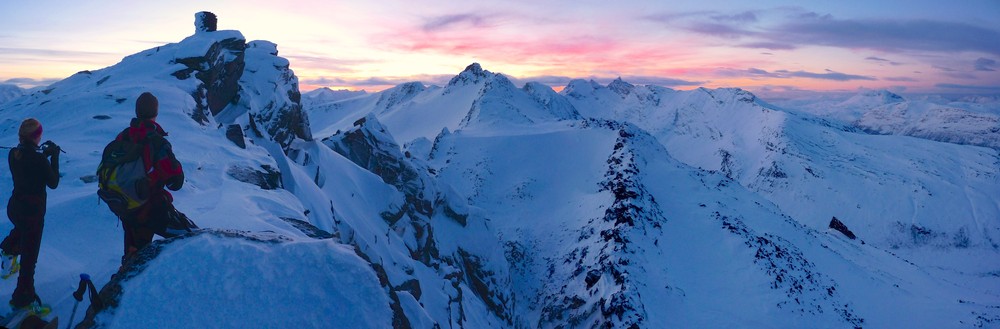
(235, 134)
(266, 177)
(836, 224)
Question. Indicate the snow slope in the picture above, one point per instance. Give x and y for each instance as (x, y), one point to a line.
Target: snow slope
(9, 92)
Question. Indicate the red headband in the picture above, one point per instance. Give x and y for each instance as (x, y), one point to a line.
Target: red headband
(37, 133)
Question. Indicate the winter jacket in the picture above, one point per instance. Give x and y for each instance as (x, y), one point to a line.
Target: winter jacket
(31, 171)
(157, 155)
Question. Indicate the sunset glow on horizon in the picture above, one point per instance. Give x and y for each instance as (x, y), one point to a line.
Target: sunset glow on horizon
(764, 46)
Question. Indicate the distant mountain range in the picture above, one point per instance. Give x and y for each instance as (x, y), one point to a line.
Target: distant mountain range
(972, 120)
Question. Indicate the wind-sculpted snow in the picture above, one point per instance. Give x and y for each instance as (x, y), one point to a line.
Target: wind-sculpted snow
(234, 277)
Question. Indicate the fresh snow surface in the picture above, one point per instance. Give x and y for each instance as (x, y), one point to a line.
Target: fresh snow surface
(252, 284)
(482, 204)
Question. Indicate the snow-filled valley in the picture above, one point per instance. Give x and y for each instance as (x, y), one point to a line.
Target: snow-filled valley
(483, 204)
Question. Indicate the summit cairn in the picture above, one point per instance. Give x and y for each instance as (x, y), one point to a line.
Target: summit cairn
(205, 22)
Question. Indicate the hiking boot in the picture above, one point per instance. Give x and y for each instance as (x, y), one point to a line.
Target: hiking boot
(8, 265)
(35, 308)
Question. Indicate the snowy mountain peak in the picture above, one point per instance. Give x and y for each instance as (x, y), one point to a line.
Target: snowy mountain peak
(474, 73)
(327, 95)
(555, 103)
(740, 94)
(872, 98)
(621, 87)
(399, 94)
(475, 68)
(500, 82)
(579, 87)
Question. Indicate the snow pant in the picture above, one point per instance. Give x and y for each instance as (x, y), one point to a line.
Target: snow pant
(28, 215)
(146, 221)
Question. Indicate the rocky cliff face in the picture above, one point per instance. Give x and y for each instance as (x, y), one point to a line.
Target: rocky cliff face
(427, 208)
(216, 60)
(250, 77)
(270, 95)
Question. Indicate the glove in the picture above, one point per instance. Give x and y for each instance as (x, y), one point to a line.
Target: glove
(50, 149)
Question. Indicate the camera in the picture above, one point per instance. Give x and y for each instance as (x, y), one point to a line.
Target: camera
(49, 148)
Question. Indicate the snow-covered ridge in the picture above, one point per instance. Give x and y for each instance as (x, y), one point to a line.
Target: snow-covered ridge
(327, 95)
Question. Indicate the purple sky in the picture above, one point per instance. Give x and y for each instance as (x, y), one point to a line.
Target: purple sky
(763, 46)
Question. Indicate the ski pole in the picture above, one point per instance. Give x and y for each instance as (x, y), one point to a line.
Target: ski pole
(78, 295)
(95, 297)
(12, 147)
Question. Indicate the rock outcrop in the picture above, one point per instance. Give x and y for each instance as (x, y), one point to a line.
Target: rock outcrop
(836, 224)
